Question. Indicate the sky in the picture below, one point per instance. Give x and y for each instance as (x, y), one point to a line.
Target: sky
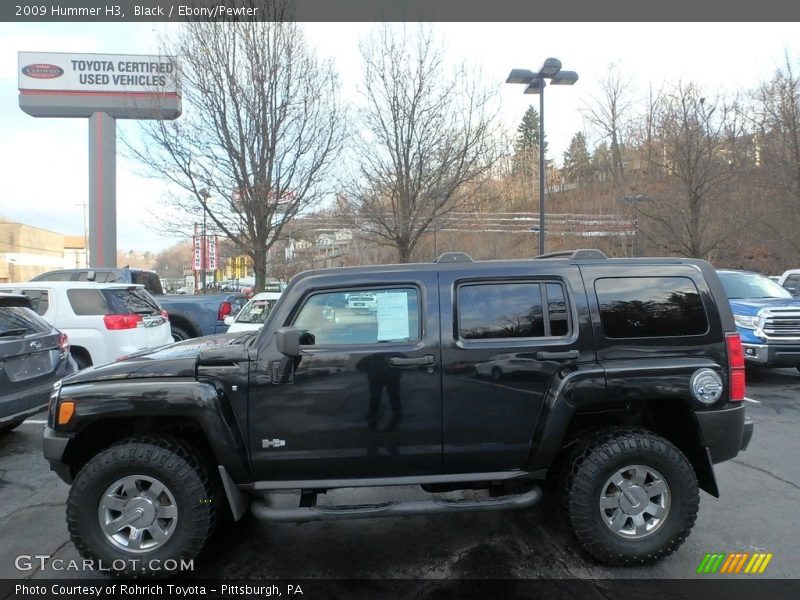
(44, 162)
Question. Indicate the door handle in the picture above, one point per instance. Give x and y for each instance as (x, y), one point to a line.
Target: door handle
(397, 361)
(556, 355)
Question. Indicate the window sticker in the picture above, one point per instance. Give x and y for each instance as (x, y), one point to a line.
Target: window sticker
(393, 316)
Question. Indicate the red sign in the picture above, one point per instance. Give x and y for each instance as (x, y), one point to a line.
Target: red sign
(42, 71)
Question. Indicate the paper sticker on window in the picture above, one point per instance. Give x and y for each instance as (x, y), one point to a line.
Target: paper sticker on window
(393, 316)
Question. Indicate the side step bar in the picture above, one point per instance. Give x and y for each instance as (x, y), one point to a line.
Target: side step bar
(394, 509)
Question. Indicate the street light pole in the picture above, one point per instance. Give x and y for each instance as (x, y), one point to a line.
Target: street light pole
(541, 170)
(550, 69)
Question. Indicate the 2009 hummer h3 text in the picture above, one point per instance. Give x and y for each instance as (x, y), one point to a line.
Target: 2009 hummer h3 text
(620, 379)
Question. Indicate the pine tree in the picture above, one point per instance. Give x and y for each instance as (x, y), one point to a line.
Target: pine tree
(526, 144)
(577, 160)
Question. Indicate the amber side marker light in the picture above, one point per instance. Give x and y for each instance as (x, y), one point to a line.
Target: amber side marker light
(65, 411)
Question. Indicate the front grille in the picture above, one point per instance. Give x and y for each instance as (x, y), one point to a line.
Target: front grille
(782, 323)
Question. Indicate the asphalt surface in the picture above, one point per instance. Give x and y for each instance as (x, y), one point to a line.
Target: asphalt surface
(756, 513)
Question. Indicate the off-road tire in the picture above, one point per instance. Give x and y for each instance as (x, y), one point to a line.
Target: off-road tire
(171, 461)
(593, 461)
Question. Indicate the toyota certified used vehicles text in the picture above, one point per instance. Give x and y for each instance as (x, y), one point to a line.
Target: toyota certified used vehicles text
(33, 356)
(104, 321)
(766, 316)
(627, 387)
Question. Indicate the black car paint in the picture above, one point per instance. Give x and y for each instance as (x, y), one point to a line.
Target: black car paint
(28, 395)
(238, 391)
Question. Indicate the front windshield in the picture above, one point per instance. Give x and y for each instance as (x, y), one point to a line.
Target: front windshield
(255, 311)
(751, 285)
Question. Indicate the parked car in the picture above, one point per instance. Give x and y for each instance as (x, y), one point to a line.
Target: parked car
(190, 316)
(254, 313)
(767, 317)
(104, 321)
(362, 302)
(33, 356)
(791, 281)
(637, 393)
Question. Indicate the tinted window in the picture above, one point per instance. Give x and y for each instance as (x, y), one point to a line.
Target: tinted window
(504, 310)
(54, 276)
(135, 300)
(150, 281)
(791, 282)
(88, 302)
(40, 300)
(331, 321)
(18, 320)
(557, 308)
(99, 276)
(632, 307)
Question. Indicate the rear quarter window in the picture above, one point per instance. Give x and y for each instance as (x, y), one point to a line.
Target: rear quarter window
(639, 307)
(88, 302)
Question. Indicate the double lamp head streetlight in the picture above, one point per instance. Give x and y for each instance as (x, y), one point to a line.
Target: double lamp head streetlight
(551, 69)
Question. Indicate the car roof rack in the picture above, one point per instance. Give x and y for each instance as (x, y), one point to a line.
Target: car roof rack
(453, 257)
(582, 253)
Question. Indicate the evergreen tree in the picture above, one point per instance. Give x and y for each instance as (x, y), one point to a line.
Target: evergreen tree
(577, 160)
(526, 144)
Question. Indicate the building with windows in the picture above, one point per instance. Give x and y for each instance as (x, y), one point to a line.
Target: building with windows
(26, 251)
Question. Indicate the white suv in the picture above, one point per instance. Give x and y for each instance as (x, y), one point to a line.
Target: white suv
(791, 281)
(104, 321)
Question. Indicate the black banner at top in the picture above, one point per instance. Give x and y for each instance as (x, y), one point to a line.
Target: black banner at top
(399, 10)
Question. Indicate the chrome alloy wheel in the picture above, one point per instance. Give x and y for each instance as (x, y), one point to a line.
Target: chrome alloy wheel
(635, 502)
(137, 514)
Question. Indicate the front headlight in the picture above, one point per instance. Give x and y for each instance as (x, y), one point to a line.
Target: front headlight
(746, 322)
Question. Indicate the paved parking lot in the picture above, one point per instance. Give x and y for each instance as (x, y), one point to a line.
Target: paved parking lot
(757, 512)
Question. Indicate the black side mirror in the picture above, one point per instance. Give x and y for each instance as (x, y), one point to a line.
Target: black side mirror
(287, 340)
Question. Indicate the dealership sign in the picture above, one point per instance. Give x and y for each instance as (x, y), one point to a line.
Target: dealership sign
(101, 88)
(121, 73)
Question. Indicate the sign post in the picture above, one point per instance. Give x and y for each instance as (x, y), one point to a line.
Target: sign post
(101, 88)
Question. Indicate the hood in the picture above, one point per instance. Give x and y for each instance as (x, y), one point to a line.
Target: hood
(751, 306)
(174, 360)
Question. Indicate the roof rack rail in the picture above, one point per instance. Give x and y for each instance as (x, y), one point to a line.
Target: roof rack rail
(453, 257)
(580, 254)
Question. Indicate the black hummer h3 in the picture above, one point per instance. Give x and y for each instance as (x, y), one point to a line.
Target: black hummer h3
(621, 380)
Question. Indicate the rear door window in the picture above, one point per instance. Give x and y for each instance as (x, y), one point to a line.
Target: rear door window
(511, 309)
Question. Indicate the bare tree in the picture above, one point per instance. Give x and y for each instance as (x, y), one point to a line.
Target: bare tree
(692, 215)
(779, 117)
(426, 140)
(261, 128)
(608, 111)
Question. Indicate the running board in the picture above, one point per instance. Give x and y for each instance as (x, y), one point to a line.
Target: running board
(394, 509)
